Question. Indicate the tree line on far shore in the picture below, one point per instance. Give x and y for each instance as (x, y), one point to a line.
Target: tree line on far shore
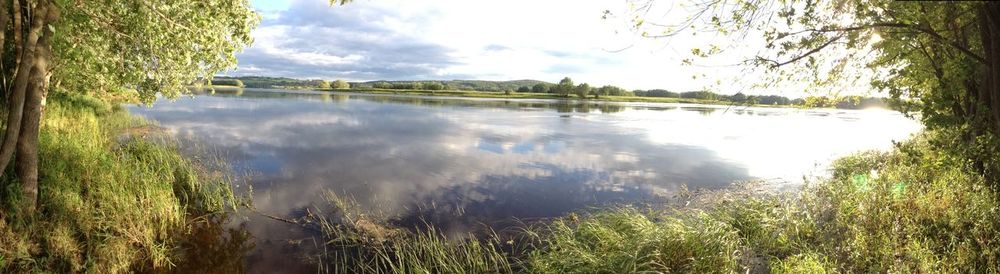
(565, 88)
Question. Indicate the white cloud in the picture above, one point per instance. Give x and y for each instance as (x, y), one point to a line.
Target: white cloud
(269, 41)
(488, 40)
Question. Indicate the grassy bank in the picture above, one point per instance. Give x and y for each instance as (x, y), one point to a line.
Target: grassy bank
(913, 209)
(529, 95)
(110, 200)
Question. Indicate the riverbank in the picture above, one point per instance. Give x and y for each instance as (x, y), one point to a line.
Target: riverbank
(111, 198)
(530, 95)
(914, 209)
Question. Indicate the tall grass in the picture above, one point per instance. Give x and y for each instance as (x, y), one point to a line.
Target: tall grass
(626, 241)
(917, 208)
(110, 201)
(914, 209)
(358, 242)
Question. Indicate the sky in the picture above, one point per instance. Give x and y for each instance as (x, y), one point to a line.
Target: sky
(462, 39)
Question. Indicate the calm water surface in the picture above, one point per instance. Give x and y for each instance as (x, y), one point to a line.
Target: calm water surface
(458, 163)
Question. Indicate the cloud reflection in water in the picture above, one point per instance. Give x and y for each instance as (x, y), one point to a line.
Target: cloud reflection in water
(487, 160)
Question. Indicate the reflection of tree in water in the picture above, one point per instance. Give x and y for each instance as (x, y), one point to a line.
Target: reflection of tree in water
(199, 90)
(655, 108)
(701, 110)
(559, 106)
(563, 107)
(229, 91)
(611, 108)
(340, 98)
(567, 107)
(211, 247)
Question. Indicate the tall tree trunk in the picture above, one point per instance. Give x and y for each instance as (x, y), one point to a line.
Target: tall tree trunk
(26, 163)
(15, 8)
(16, 102)
(989, 27)
(985, 114)
(4, 19)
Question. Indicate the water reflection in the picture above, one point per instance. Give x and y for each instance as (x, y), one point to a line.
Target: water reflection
(456, 163)
(211, 247)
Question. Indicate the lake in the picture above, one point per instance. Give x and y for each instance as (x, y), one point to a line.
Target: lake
(459, 163)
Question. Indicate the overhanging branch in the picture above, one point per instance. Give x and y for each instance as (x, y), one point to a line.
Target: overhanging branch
(928, 31)
(804, 55)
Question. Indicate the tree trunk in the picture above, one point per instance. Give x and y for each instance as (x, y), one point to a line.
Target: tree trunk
(984, 111)
(16, 102)
(989, 27)
(26, 164)
(4, 19)
(34, 104)
(15, 8)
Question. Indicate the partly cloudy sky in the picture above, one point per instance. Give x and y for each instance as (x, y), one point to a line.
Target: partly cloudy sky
(462, 39)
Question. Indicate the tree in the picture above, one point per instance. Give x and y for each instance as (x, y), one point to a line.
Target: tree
(227, 82)
(582, 90)
(774, 100)
(704, 95)
(341, 84)
(739, 97)
(433, 86)
(656, 93)
(540, 88)
(565, 87)
(941, 59)
(323, 84)
(608, 90)
(524, 89)
(148, 47)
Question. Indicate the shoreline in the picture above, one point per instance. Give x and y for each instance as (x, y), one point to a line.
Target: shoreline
(547, 96)
(526, 96)
(464, 94)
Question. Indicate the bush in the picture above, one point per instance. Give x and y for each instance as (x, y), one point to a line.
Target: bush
(341, 84)
(227, 82)
(433, 86)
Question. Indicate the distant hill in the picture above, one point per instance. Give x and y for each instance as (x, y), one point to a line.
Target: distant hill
(477, 85)
(271, 82)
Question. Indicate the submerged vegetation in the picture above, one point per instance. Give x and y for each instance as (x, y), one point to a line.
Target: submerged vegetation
(916, 208)
(110, 199)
